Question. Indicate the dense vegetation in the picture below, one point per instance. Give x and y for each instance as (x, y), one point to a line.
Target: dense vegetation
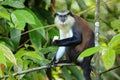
(27, 30)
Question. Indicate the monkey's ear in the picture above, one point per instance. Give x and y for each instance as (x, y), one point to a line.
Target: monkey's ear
(70, 13)
(55, 14)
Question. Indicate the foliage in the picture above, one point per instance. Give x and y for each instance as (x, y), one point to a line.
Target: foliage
(6, 52)
(107, 52)
(27, 30)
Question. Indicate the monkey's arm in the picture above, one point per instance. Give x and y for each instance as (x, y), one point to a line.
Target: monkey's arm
(76, 39)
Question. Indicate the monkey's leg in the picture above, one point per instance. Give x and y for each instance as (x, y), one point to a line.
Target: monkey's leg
(54, 62)
(58, 55)
(67, 60)
(86, 67)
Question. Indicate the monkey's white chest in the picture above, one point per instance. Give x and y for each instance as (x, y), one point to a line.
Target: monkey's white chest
(63, 35)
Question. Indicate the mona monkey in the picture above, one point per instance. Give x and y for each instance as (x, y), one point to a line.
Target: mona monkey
(76, 35)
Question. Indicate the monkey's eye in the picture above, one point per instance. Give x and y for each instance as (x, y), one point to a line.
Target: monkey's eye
(65, 16)
(60, 15)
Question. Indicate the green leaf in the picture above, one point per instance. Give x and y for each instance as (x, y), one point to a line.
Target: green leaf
(117, 49)
(20, 17)
(1, 74)
(41, 15)
(89, 51)
(108, 57)
(48, 2)
(22, 52)
(11, 77)
(69, 3)
(15, 38)
(39, 24)
(13, 3)
(4, 13)
(18, 21)
(66, 74)
(115, 41)
(53, 32)
(115, 24)
(33, 54)
(8, 42)
(75, 72)
(35, 38)
(28, 17)
(48, 50)
(2, 59)
(7, 53)
(19, 68)
(26, 64)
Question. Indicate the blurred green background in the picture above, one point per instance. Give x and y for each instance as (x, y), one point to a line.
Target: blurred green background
(27, 29)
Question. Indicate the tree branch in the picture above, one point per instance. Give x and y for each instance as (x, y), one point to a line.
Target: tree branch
(97, 25)
(109, 70)
(36, 69)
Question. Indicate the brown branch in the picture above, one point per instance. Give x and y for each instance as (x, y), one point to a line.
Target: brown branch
(52, 6)
(36, 69)
(109, 70)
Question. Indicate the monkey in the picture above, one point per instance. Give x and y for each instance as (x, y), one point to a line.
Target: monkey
(76, 35)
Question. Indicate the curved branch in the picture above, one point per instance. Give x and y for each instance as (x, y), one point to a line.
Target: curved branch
(36, 69)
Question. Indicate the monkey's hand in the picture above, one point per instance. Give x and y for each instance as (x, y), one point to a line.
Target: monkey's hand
(56, 42)
(55, 38)
(53, 63)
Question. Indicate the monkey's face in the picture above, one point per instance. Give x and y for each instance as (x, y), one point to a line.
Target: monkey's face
(64, 19)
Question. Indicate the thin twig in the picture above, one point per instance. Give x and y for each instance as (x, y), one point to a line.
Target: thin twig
(109, 70)
(91, 8)
(53, 25)
(36, 69)
(23, 43)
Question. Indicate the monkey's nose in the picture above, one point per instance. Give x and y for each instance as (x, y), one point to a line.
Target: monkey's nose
(62, 19)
